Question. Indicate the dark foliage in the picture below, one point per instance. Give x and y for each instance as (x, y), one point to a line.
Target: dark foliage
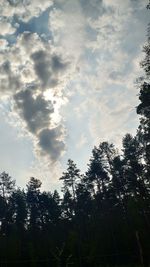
(103, 218)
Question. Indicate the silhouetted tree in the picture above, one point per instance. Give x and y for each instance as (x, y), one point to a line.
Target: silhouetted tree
(18, 206)
(133, 167)
(71, 177)
(33, 194)
(143, 109)
(97, 174)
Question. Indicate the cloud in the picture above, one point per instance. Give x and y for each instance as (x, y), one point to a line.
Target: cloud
(9, 80)
(34, 110)
(3, 44)
(82, 141)
(92, 8)
(50, 142)
(23, 9)
(48, 67)
(108, 38)
(111, 118)
(67, 24)
(15, 63)
(6, 27)
(29, 69)
(33, 60)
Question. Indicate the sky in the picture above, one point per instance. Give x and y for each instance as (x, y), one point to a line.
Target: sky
(67, 81)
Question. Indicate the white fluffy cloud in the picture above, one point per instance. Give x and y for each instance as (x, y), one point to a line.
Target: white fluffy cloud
(67, 23)
(23, 9)
(6, 27)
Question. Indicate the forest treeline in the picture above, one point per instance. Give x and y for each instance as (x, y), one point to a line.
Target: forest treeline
(103, 217)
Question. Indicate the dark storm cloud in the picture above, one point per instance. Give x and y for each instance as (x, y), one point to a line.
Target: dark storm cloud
(35, 111)
(47, 67)
(50, 143)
